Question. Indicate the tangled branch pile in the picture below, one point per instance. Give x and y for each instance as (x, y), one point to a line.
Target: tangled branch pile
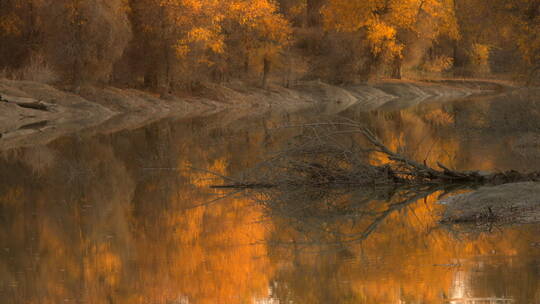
(337, 183)
(330, 155)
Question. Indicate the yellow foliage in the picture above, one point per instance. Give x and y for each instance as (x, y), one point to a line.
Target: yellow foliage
(198, 30)
(298, 10)
(209, 253)
(439, 64)
(260, 28)
(10, 25)
(383, 37)
(480, 54)
(385, 20)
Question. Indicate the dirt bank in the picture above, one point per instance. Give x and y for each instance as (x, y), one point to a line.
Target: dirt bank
(33, 113)
(508, 204)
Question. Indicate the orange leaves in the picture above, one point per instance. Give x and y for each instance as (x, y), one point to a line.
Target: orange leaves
(211, 39)
(190, 28)
(527, 24)
(198, 30)
(107, 265)
(208, 254)
(259, 25)
(384, 21)
(250, 12)
(10, 25)
(383, 37)
(347, 16)
(480, 54)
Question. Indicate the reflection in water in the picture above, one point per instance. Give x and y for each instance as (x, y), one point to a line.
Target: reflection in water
(120, 219)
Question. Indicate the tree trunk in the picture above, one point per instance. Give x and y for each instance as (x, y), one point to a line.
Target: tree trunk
(165, 49)
(150, 78)
(288, 76)
(32, 32)
(266, 71)
(77, 67)
(396, 68)
(246, 64)
(313, 13)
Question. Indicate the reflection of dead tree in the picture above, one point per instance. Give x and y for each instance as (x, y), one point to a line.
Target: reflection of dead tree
(338, 218)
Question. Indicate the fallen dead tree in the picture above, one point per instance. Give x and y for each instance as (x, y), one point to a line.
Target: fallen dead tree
(321, 158)
(337, 177)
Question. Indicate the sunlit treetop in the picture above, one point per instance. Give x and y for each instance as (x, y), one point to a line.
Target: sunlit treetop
(384, 20)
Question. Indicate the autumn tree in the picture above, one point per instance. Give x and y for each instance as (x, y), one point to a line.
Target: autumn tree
(493, 32)
(178, 44)
(313, 12)
(182, 42)
(85, 37)
(258, 33)
(388, 27)
(525, 16)
(19, 31)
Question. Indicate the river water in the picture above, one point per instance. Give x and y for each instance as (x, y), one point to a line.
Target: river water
(125, 217)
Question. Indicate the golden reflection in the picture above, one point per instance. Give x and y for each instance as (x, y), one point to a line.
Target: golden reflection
(411, 259)
(120, 219)
(208, 254)
(94, 233)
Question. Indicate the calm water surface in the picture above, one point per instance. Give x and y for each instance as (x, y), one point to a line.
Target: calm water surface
(121, 218)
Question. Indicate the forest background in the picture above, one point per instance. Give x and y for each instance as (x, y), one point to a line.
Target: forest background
(172, 46)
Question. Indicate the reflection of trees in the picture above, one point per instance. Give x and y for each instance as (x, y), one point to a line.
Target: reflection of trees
(204, 254)
(66, 234)
(91, 224)
(408, 257)
(83, 221)
(475, 133)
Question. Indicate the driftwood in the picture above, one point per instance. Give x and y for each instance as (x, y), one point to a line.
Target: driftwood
(23, 102)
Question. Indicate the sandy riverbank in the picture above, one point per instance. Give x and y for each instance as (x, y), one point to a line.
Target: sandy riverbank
(509, 204)
(109, 109)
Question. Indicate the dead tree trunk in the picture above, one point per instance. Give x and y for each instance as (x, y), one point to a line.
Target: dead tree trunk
(396, 68)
